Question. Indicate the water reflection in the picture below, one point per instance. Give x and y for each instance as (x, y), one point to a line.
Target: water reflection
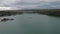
(9, 13)
(30, 24)
(13, 13)
(6, 19)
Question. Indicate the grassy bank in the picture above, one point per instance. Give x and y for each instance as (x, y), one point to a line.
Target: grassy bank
(9, 13)
(50, 12)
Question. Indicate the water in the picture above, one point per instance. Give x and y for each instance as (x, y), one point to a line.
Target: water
(30, 24)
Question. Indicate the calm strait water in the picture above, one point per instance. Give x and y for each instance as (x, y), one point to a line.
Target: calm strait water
(30, 24)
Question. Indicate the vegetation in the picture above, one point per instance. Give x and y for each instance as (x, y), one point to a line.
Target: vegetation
(9, 13)
(50, 12)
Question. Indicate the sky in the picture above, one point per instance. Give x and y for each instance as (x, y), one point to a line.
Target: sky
(30, 4)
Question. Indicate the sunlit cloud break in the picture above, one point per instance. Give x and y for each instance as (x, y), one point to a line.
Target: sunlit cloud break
(7, 8)
(8, 4)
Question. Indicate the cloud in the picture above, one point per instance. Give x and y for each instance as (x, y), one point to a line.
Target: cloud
(40, 3)
(25, 4)
(30, 1)
(49, 0)
(8, 3)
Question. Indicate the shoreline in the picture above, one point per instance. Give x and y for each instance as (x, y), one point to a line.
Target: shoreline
(49, 12)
